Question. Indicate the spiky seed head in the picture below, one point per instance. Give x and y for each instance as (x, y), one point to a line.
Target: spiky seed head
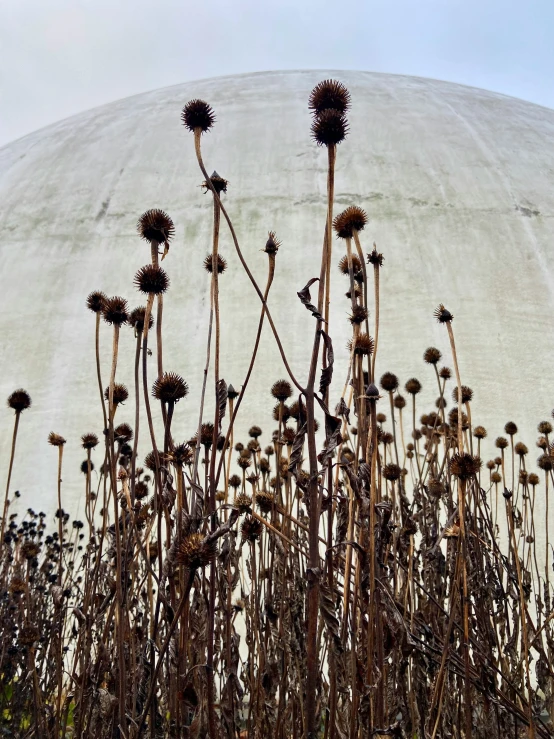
(544, 427)
(272, 244)
(501, 442)
(221, 264)
(136, 319)
(264, 465)
(467, 394)
(389, 382)
(86, 467)
(244, 462)
(235, 481)
(520, 449)
(206, 434)
(197, 114)
(391, 472)
(231, 392)
(464, 465)
(181, 455)
(120, 393)
(156, 226)
(253, 445)
(358, 315)
(480, 432)
(445, 373)
(546, 462)
(356, 265)
(194, 552)
(151, 280)
(329, 128)
(281, 390)
(496, 477)
(442, 315)
(491, 464)
(432, 355)
(542, 443)
(350, 220)
(510, 428)
(251, 529)
(289, 435)
(89, 441)
(123, 432)
(329, 94)
(19, 400)
(375, 258)
(436, 488)
(399, 401)
(218, 183)
(265, 501)
(115, 311)
(55, 439)
(170, 388)
(533, 479)
(413, 386)
(283, 410)
(239, 446)
(362, 344)
(96, 300)
(453, 418)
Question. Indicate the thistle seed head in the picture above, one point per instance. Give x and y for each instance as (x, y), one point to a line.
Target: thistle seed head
(115, 311)
(96, 300)
(156, 226)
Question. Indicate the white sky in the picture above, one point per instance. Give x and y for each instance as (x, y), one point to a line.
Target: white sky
(59, 57)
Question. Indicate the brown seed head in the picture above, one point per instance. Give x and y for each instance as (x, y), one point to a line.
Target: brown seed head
(442, 315)
(55, 439)
(156, 226)
(255, 432)
(329, 95)
(544, 427)
(219, 184)
(151, 279)
(195, 552)
(120, 393)
(89, 441)
(399, 402)
(251, 529)
(115, 311)
(445, 373)
(464, 465)
(95, 301)
(363, 345)
(510, 428)
(19, 400)
(546, 462)
(480, 432)
(170, 388)
(272, 244)
(533, 479)
(496, 477)
(521, 449)
(123, 432)
(265, 501)
(432, 355)
(413, 386)
(356, 266)
(235, 481)
(350, 220)
(281, 390)
(329, 128)
(375, 258)
(181, 455)
(136, 319)
(358, 315)
(197, 114)
(467, 394)
(221, 264)
(391, 472)
(389, 382)
(501, 442)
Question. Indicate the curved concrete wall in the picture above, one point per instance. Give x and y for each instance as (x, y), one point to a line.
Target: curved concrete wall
(458, 184)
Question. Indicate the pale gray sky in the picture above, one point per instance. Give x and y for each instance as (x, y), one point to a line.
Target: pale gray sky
(59, 57)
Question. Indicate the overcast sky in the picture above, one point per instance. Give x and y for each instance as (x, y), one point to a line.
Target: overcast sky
(59, 57)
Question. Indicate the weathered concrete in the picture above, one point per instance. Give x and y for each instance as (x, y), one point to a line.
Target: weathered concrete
(458, 184)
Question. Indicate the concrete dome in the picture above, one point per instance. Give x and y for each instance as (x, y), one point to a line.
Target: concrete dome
(458, 184)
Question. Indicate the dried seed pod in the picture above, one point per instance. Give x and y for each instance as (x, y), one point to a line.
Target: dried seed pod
(170, 388)
(329, 94)
(281, 390)
(389, 382)
(120, 393)
(96, 301)
(55, 439)
(19, 400)
(329, 128)
(464, 465)
(198, 115)
(221, 264)
(151, 280)
(156, 226)
(432, 355)
(350, 220)
(115, 310)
